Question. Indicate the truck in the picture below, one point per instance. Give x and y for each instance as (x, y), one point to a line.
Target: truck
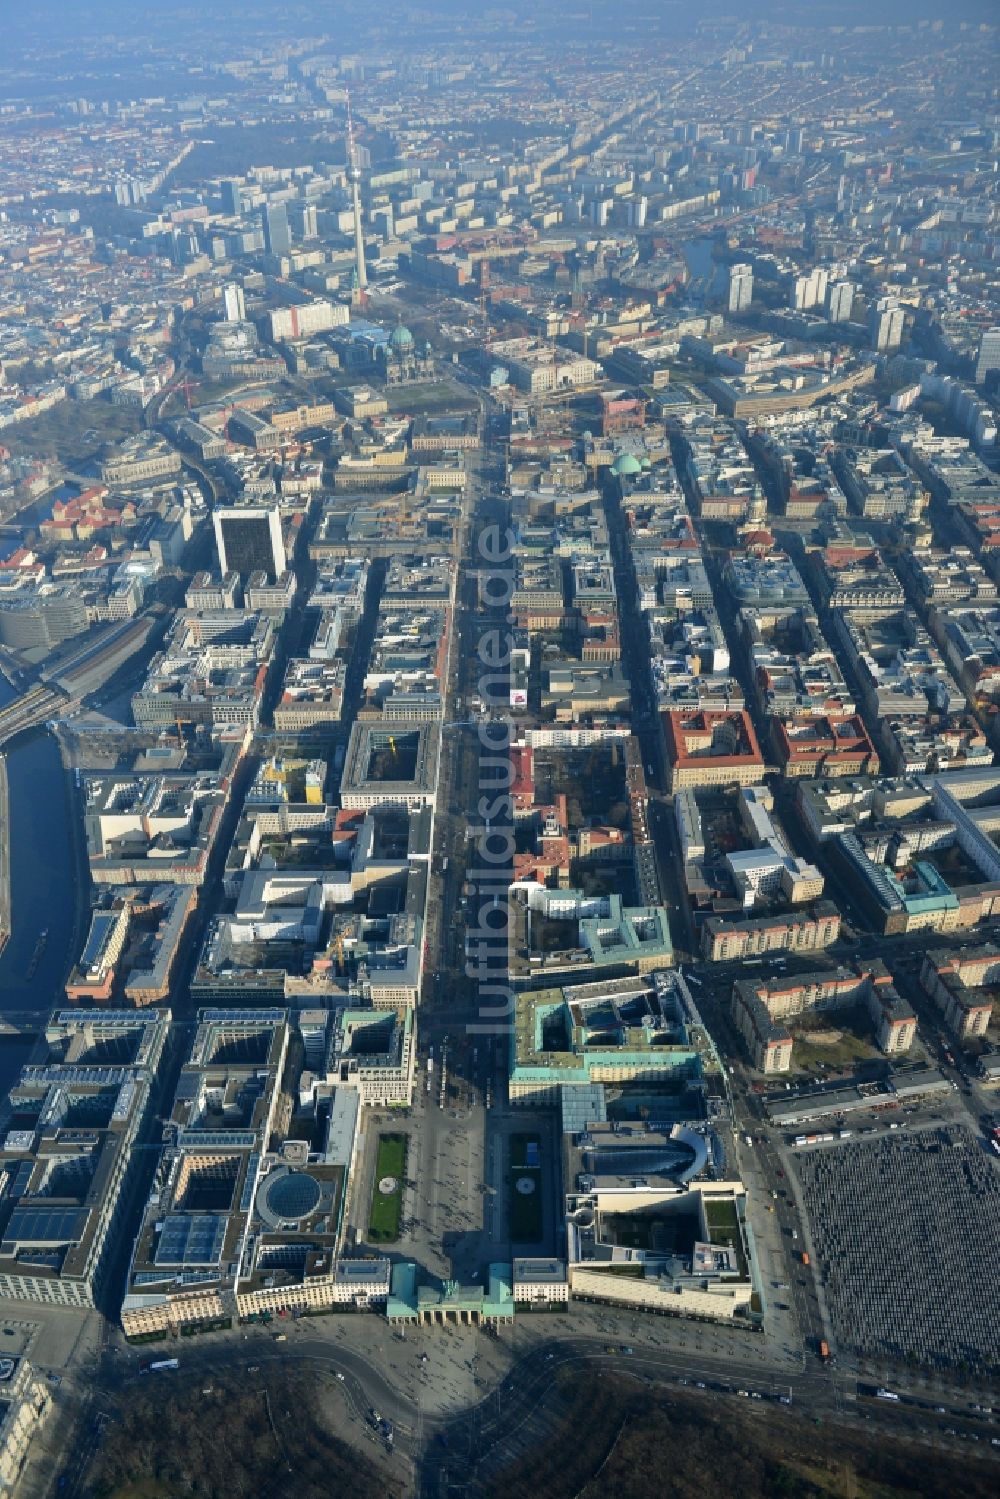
(805, 1258)
(882, 1394)
(824, 1349)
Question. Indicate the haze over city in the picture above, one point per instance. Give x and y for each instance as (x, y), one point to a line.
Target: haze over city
(499, 802)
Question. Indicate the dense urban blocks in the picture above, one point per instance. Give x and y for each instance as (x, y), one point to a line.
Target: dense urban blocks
(606, 668)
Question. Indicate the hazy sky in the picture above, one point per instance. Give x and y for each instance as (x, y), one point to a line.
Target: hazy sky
(309, 15)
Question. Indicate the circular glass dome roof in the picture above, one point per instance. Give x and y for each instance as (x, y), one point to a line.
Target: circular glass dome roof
(293, 1194)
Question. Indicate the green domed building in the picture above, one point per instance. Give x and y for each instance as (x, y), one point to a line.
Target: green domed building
(626, 466)
(403, 360)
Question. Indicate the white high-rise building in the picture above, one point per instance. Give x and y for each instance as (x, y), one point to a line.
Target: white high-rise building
(248, 539)
(740, 287)
(277, 235)
(885, 324)
(989, 355)
(809, 291)
(303, 319)
(236, 310)
(840, 300)
(304, 219)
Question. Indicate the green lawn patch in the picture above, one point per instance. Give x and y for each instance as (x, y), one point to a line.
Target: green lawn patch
(524, 1184)
(724, 1228)
(387, 1207)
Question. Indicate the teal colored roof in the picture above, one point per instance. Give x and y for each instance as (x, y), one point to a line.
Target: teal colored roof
(626, 464)
(401, 338)
(499, 1299)
(402, 1301)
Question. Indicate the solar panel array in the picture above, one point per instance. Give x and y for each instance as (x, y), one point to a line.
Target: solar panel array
(42, 1225)
(191, 1239)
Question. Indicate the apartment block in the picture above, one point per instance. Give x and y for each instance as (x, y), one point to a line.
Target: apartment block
(962, 983)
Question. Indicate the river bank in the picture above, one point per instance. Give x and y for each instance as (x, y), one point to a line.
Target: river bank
(41, 861)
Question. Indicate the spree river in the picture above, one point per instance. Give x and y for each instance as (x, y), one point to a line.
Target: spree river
(701, 267)
(43, 893)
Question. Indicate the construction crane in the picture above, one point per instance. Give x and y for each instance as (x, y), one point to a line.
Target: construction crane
(187, 386)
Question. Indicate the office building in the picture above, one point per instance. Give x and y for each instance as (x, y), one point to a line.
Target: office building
(248, 540)
(392, 764)
(706, 748)
(304, 219)
(192, 1239)
(69, 1128)
(25, 1404)
(232, 197)
(243, 1221)
(303, 319)
(636, 1029)
(236, 310)
(989, 355)
(277, 235)
(740, 287)
(38, 615)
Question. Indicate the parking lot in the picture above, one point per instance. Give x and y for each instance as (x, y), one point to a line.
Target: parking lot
(906, 1230)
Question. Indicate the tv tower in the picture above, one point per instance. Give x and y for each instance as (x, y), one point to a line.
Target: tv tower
(354, 174)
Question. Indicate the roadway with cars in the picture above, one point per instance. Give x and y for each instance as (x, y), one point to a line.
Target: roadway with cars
(460, 1443)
